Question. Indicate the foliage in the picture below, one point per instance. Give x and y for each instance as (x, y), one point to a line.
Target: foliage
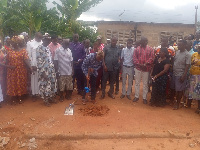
(31, 16)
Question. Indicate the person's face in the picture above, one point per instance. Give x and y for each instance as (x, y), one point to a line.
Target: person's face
(129, 44)
(189, 46)
(60, 41)
(164, 43)
(8, 42)
(197, 35)
(76, 38)
(98, 58)
(181, 45)
(162, 54)
(99, 41)
(38, 38)
(54, 41)
(113, 42)
(46, 41)
(87, 44)
(144, 42)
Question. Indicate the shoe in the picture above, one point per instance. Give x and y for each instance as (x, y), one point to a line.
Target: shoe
(129, 97)
(135, 99)
(197, 111)
(176, 106)
(102, 96)
(116, 92)
(111, 95)
(144, 101)
(83, 101)
(20, 101)
(61, 99)
(122, 96)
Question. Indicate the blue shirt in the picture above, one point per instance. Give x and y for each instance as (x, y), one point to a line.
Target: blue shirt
(91, 62)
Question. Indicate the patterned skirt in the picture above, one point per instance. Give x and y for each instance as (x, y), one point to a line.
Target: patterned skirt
(193, 87)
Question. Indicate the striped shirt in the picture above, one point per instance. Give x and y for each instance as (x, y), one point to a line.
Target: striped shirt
(143, 56)
(64, 58)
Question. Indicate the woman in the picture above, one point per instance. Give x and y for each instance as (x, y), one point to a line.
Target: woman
(46, 72)
(194, 81)
(17, 77)
(160, 76)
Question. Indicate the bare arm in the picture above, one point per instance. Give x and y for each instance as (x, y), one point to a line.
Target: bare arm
(166, 68)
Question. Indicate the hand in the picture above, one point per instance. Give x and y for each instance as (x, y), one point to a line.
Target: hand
(182, 78)
(79, 61)
(154, 78)
(34, 68)
(105, 68)
(91, 70)
(88, 77)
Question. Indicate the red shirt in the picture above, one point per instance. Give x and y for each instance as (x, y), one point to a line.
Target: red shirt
(143, 56)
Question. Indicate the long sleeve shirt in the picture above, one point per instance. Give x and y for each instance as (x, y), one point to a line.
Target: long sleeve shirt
(91, 62)
(78, 52)
(143, 56)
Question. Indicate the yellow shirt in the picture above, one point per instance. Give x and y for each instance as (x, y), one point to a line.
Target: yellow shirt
(195, 64)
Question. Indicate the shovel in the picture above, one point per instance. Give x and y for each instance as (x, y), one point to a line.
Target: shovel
(70, 110)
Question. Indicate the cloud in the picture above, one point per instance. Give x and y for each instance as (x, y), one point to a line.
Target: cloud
(159, 11)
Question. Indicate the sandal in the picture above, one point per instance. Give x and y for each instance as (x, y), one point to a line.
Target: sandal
(20, 101)
(47, 104)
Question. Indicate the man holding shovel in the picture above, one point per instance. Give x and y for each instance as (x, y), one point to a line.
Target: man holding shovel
(90, 67)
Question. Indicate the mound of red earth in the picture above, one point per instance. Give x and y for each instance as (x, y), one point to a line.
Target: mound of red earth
(94, 110)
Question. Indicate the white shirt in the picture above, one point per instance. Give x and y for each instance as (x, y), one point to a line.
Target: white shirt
(127, 54)
(64, 58)
(31, 49)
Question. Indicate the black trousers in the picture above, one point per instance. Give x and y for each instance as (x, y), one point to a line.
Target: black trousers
(112, 76)
(79, 76)
(92, 87)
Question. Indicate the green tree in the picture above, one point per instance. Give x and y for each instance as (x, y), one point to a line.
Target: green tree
(70, 11)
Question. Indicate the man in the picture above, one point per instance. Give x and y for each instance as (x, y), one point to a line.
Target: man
(127, 68)
(53, 45)
(143, 57)
(31, 49)
(90, 67)
(78, 54)
(182, 61)
(110, 66)
(64, 65)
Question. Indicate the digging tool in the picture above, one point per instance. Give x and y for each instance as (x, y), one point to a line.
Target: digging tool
(70, 110)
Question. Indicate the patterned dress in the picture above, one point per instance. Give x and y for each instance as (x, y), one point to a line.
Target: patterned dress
(17, 78)
(3, 53)
(193, 90)
(47, 88)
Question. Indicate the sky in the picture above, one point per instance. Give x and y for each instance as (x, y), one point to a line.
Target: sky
(157, 11)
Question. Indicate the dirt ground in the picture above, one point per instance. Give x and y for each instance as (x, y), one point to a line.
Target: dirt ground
(121, 124)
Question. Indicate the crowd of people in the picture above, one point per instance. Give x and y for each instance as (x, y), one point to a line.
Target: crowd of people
(48, 66)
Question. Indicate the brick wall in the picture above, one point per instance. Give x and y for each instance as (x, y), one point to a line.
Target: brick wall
(153, 31)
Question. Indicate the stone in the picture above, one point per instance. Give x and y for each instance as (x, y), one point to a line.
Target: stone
(4, 141)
